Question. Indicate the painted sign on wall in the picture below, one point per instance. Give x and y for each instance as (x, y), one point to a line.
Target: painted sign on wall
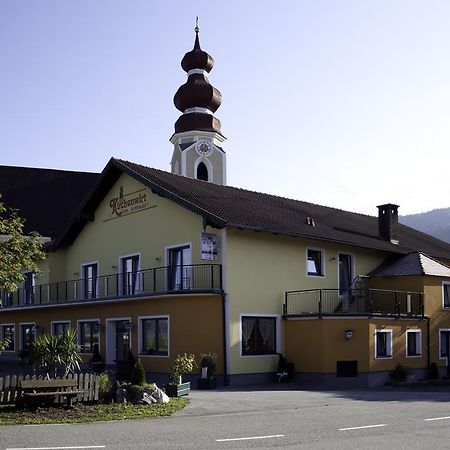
(127, 203)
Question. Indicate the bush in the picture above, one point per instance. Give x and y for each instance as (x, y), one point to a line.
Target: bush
(183, 364)
(138, 374)
(105, 387)
(400, 373)
(134, 390)
(208, 360)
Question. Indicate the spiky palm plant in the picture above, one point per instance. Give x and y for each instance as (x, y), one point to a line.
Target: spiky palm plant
(50, 351)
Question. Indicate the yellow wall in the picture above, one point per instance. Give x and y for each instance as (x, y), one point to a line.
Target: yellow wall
(432, 289)
(261, 267)
(146, 232)
(195, 324)
(314, 345)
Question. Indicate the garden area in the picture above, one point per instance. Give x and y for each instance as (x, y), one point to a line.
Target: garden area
(57, 391)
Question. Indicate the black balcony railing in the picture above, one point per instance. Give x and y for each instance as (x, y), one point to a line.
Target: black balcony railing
(333, 302)
(160, 280)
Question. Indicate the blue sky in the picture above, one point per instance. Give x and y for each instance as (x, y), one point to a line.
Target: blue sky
(340, 103)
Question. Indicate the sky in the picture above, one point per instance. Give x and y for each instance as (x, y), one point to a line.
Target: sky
(336, 102)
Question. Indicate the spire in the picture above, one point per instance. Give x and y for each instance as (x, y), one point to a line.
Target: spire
(197, 40)
(197, 99)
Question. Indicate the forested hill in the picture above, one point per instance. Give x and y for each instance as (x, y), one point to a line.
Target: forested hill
(435, 222)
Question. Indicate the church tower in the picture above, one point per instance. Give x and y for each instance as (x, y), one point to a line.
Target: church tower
(197, 138)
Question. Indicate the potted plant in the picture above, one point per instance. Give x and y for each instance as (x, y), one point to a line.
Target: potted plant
(183, 364)
(208, 366)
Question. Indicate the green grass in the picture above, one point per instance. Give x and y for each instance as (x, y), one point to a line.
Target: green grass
(9, 415)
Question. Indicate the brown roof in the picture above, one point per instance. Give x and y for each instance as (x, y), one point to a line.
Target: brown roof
(46, 198)
(225, 206)
(409, 265)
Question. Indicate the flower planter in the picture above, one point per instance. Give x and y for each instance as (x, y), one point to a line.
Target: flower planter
(177, 390)
(207, 383)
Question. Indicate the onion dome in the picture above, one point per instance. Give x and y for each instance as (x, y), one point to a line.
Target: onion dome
(197, 58)
(197, 99)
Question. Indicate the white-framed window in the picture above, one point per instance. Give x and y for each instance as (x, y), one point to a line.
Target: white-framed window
(315, 262)
(89, 280)
(88, 334)
(444, 339)
(260, 334)
(446, 294)
(154, 335)
(27, 335)
(8, 330)
(383, 344)
(59, 327)
(130, 265)
(413, 343)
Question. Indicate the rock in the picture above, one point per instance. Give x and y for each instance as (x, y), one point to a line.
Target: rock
(121, 396)
(159, 395)
(145, 398)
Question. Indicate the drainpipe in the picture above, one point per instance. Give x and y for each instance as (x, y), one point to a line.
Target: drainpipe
(428, 345)
(224, 340)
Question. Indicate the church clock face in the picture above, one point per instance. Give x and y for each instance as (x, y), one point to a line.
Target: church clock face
(203, 148)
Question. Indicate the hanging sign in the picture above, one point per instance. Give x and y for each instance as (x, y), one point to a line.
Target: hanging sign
(210, 244)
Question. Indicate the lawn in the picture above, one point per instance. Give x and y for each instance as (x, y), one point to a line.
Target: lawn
(9, 415)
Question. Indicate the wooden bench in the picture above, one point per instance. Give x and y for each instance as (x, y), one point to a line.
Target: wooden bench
(32, 390)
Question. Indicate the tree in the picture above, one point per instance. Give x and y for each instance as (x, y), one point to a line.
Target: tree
(50, 351)
(17, 251)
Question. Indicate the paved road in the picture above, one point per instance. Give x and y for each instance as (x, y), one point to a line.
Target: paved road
(231, 419)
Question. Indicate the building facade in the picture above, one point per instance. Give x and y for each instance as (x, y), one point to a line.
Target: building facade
(161, 263)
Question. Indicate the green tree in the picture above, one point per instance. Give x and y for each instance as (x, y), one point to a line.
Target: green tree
(50, 351)
(17, 251)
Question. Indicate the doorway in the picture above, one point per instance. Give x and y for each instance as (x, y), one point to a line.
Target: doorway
(118, 340)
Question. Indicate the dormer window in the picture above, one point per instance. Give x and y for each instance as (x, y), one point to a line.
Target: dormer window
(202, 172)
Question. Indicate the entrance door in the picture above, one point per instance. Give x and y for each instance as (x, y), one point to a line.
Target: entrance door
(122, 339)
(345, 273)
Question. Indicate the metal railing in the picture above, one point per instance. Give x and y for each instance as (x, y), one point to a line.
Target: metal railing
(331, 302)
(160, 280)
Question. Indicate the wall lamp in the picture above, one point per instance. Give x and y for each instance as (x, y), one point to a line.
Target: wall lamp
(348, 334)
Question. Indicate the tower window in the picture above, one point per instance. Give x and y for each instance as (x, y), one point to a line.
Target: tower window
(202, 172)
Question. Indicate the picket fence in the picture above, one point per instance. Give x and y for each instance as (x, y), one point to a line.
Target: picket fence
(88, 382)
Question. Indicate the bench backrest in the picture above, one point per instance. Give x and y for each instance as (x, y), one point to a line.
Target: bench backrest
(37, 384)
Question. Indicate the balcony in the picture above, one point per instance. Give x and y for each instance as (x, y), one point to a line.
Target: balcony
(354, 302)
(200, 278)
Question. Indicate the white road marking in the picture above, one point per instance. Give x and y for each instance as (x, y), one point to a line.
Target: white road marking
(437, 418)
(58, 448)
(361, 428)
(249, 438)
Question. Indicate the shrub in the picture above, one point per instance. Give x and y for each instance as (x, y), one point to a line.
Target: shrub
(105, 387)
(183, 364)
(400, 373)
(48, 351)
(208, 360)
(138, 374)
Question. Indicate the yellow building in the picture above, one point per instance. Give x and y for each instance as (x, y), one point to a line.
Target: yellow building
(164, 263)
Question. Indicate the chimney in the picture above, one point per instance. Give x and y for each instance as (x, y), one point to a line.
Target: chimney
(388, 222)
